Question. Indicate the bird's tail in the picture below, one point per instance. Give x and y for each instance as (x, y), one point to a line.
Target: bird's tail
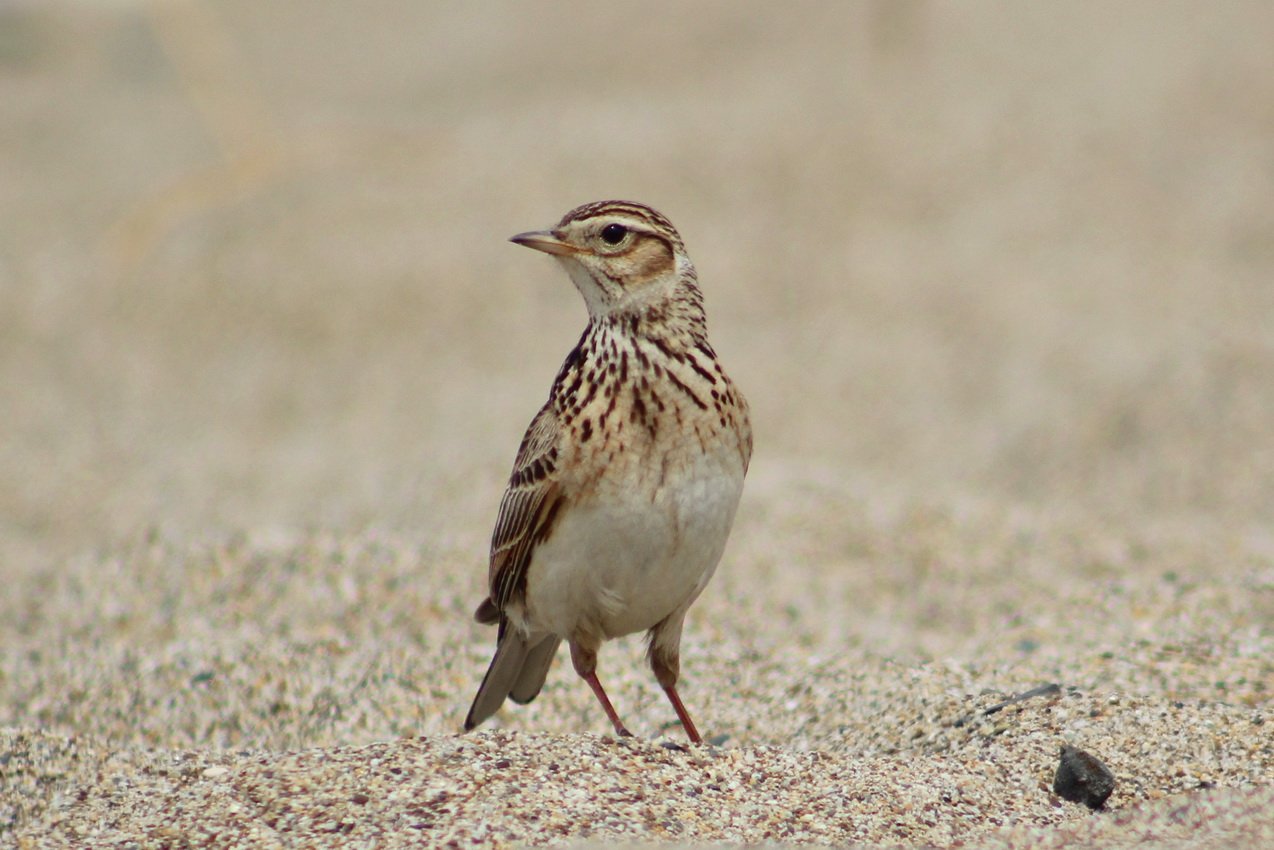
(518, 670)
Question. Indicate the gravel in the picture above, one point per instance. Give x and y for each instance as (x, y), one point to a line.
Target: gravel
(995, 280)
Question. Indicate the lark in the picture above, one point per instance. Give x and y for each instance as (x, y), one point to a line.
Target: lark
(625, 486)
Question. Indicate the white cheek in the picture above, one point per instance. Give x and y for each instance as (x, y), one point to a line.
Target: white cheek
(595, 297)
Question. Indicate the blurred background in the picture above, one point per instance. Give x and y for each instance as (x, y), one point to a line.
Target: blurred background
(253, 268)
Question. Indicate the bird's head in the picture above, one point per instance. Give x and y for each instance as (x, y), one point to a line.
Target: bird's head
(622, 256)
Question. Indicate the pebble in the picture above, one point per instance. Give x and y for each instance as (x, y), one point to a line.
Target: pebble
(1082, 778)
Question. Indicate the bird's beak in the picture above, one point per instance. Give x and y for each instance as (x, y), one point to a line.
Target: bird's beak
(544, 240)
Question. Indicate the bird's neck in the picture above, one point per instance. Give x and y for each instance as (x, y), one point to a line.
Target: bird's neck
(673, 313)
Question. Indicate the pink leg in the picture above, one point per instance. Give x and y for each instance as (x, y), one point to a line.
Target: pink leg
(585, 661)
(666, 664)
(620, 729)
(683, 715)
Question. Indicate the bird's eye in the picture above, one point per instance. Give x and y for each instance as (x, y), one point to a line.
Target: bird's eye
(613, 234)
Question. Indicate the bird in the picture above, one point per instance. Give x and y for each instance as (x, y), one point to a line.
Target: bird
(626, 484)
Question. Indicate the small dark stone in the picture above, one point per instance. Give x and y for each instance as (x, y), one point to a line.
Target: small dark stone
(1082, 778)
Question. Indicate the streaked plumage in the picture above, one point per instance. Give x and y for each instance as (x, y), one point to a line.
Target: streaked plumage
(626, 483)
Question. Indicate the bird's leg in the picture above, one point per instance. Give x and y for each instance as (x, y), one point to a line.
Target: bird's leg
(666, 664)
(585, 661)
(684, 716)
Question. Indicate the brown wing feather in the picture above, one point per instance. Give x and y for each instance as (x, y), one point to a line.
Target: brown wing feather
(527, 511)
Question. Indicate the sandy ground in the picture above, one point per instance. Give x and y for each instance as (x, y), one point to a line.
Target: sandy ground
(998, 282)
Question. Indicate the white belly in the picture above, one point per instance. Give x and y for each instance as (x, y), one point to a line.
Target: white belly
(626, 558)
